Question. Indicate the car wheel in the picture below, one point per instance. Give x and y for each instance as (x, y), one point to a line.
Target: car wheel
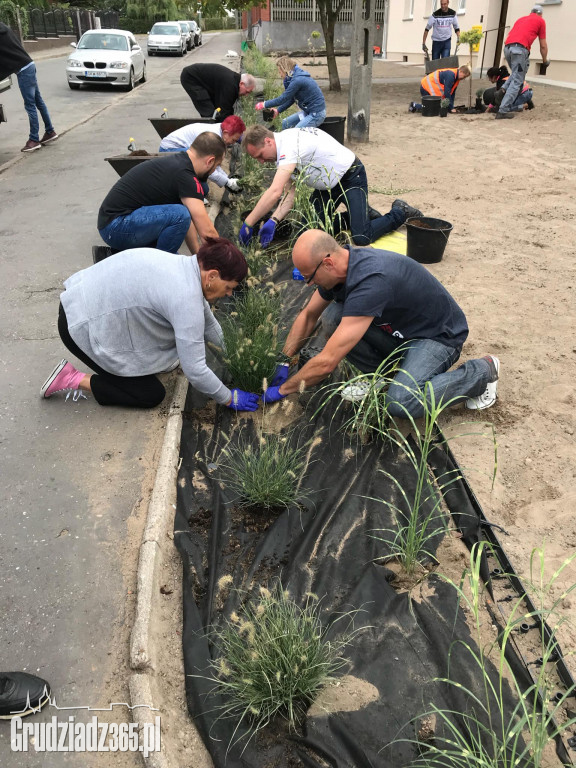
(130, 85)
(74, 86)
(151, 53)
(143, 78)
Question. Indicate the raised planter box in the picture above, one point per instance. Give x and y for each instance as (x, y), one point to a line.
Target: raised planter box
(165, 125)
(123, 163)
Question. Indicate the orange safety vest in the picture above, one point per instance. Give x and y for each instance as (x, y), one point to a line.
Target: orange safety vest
(432, 83)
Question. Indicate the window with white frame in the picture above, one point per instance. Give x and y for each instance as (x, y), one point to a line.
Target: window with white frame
(408, 10)
(461, 6)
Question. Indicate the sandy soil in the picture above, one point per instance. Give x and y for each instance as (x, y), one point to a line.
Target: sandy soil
(508, 188)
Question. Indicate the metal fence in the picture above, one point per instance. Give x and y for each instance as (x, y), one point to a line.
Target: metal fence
(290, 10)
(35, 23)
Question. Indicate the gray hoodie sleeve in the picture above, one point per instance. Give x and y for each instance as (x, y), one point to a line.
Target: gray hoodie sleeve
(190, 330)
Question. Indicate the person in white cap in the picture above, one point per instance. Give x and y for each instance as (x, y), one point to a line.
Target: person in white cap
(517, 54)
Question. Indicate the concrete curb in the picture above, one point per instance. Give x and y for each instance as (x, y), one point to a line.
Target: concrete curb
(140, 693)
(160, 512)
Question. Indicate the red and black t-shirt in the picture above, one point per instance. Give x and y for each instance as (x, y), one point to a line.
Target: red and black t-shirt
(160, 181)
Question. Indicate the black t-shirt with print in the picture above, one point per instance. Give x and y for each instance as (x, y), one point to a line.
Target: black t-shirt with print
(160, 181)
(404, 299)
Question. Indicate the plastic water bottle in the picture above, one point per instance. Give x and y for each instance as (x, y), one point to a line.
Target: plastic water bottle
(164, 113)
(297, 275)
(131, 145)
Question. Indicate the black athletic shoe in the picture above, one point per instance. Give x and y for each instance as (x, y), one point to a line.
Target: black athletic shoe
(100, 252)
(373, 213)
(504, 116)
(530, 104)
(21, 694)
(407, 209)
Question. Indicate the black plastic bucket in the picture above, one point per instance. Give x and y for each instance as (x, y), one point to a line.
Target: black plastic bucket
(430, 106)
(334, 126)
(427, 239)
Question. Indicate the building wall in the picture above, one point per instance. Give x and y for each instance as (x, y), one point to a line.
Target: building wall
(407, 20)
(295, 36)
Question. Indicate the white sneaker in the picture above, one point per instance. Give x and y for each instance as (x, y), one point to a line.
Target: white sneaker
(488, 397)
(358, 390)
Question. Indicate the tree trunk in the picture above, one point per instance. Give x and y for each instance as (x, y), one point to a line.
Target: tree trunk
(328, 17)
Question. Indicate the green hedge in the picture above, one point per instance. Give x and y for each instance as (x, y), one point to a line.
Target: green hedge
(227, 22)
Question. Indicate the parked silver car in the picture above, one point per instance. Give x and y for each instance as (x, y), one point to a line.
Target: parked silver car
(106, 56)
(196, 32)
(166, 37)
(187, 33)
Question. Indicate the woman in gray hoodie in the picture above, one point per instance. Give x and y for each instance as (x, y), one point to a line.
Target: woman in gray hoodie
(141, 312)
(299, 88)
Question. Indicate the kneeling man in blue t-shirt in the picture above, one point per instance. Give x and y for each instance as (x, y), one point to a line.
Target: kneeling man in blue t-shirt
(375, 306)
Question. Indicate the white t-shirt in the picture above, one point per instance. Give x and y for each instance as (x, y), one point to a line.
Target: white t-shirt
(320, 158)
(183, 138)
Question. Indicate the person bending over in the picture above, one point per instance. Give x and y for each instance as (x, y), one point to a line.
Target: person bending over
(138, 313)
(380, 304)
(160, 203)
(299, 88)
(230, 131)
(215, 87)
(443, 83)
(332, 170)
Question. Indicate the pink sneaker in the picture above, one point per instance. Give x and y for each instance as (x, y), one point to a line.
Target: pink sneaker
(64, 378)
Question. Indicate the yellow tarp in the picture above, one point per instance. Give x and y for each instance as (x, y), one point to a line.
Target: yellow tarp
(395, 241)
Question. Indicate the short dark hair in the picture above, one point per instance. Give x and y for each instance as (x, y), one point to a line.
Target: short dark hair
(207, 144)
(219, 253)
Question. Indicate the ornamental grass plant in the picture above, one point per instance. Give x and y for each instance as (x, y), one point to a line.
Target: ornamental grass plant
(506, 721)
(251, 343)
(274, 657)
(266, 472)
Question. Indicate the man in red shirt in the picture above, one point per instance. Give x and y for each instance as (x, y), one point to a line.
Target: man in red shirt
(517, 54)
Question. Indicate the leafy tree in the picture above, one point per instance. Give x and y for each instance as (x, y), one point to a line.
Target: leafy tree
(329, 10)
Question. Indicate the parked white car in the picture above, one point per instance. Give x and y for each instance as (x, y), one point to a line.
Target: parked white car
(166, 37)
(106, 56)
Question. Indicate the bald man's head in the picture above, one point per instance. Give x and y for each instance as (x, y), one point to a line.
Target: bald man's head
(316, 249)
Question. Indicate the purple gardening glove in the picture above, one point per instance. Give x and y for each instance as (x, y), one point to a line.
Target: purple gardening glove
(267, 231)
(272, 395)
(280, 375)
(243, 401)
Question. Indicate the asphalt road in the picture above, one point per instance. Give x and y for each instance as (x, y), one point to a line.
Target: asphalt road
(68, 107)
(75, 476)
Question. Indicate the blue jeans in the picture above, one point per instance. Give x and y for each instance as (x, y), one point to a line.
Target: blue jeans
(352, 191)
(420, 360)
(152, 226)
(171, 149)
(521, 99)
(33, 101)
(441, 48)
(518, 59)
(311, 120)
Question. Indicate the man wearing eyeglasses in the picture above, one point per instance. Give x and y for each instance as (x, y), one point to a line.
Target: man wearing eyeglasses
(332, 170)
(382, 306)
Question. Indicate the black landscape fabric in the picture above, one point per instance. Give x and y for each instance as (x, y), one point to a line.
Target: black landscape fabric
(323, 547)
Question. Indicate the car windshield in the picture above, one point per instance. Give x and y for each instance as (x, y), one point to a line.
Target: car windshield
(165, 30)
(184, 27)
(104, 42)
